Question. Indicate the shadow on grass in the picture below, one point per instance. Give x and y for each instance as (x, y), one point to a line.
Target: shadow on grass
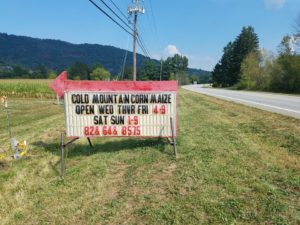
(82, 149)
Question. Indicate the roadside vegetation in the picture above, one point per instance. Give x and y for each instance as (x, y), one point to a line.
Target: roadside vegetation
(245, 66)
(236, 165)
(24, 88)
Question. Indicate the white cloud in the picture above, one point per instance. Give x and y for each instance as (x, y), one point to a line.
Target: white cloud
(277, 4)
(195, 61)
(171, 50)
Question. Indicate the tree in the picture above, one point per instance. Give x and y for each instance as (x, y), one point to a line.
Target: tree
(175, 68)
(222, 71)
(149, 71)
(286, 74)
(99, 73)
(79, 71)
(228, 71)
(128, 73)
(52, 75)
(18, 71)
(194, 78)
(41, 72)
(285, 46)
(245, 43)
(252, 74)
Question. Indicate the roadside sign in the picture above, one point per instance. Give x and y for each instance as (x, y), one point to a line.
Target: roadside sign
(118, 108)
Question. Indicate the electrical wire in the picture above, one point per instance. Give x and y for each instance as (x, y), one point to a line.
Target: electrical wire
(116, 14)
(143, 46)
(139, 41)
(154, 21)
(105, 13)
(125, 59)
(119, 9)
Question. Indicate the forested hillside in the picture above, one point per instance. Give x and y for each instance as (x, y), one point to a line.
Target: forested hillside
(59, 55)
(45, 54)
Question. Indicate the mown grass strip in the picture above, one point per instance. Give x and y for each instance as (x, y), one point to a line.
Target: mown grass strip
(237, 165)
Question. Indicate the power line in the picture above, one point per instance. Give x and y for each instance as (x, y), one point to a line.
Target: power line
(116, 14)
(105, 13)
(125, 59)
(99, 8)
(119, 9)
(154, 21)
(143, 45)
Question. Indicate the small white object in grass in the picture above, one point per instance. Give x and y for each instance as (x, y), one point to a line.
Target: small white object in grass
(14, 144)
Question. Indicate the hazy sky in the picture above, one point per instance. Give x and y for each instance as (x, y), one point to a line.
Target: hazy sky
(198, 29)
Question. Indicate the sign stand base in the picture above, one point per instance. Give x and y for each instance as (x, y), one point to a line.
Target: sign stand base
(63, 146)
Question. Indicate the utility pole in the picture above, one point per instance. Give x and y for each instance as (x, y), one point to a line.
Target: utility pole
(135, 10)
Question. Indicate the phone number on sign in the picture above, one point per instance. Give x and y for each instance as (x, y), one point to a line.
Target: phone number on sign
(112, 131)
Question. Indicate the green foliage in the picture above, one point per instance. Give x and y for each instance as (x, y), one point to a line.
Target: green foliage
(19, 71)
(222, 71)
(194, 78)
(174, 64)
(285, 47)
(253, 76)
(41, 72)
(59, 55)
(99, 73)
(285, 75)
(54, 55)
(228, 71)
(238, 165)
(79, 71)
(279, 75)
(175, 68)
(149, 70)
(52, 75)
(243, 66)
(128, 73)
(201, 76)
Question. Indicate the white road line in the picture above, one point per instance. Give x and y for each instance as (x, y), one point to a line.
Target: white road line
(256, 103)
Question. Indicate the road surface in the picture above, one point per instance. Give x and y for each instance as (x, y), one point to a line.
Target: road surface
(288, 105)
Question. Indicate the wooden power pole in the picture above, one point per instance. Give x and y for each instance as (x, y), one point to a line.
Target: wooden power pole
(135, 10)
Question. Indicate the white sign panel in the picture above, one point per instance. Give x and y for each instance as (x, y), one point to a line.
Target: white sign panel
(111, 114)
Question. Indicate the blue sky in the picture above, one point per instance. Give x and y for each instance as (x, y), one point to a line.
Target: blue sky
(198, 29)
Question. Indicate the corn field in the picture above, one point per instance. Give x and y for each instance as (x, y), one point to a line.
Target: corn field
(33, 88)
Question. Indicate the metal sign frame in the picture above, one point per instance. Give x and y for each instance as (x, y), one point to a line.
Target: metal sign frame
(62, 87)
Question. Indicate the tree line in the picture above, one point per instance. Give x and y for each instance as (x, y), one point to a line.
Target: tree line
(244, 65)
(172, 68)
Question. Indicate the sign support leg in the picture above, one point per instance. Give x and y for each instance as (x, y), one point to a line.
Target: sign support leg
(173, 138)
(90, 142)
(62, 146)
(62, 156)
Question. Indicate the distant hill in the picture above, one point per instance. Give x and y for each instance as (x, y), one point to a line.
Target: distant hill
(59, 55)
(202, 75)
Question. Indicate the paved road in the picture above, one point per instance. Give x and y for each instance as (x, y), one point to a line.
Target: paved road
(280, 103)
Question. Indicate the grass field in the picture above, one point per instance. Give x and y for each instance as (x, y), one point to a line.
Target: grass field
(237, 165)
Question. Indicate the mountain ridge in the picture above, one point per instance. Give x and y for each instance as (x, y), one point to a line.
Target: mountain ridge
(58, 54)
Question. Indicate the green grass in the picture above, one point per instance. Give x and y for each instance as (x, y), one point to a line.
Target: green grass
(237, 165)
(34, 88)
